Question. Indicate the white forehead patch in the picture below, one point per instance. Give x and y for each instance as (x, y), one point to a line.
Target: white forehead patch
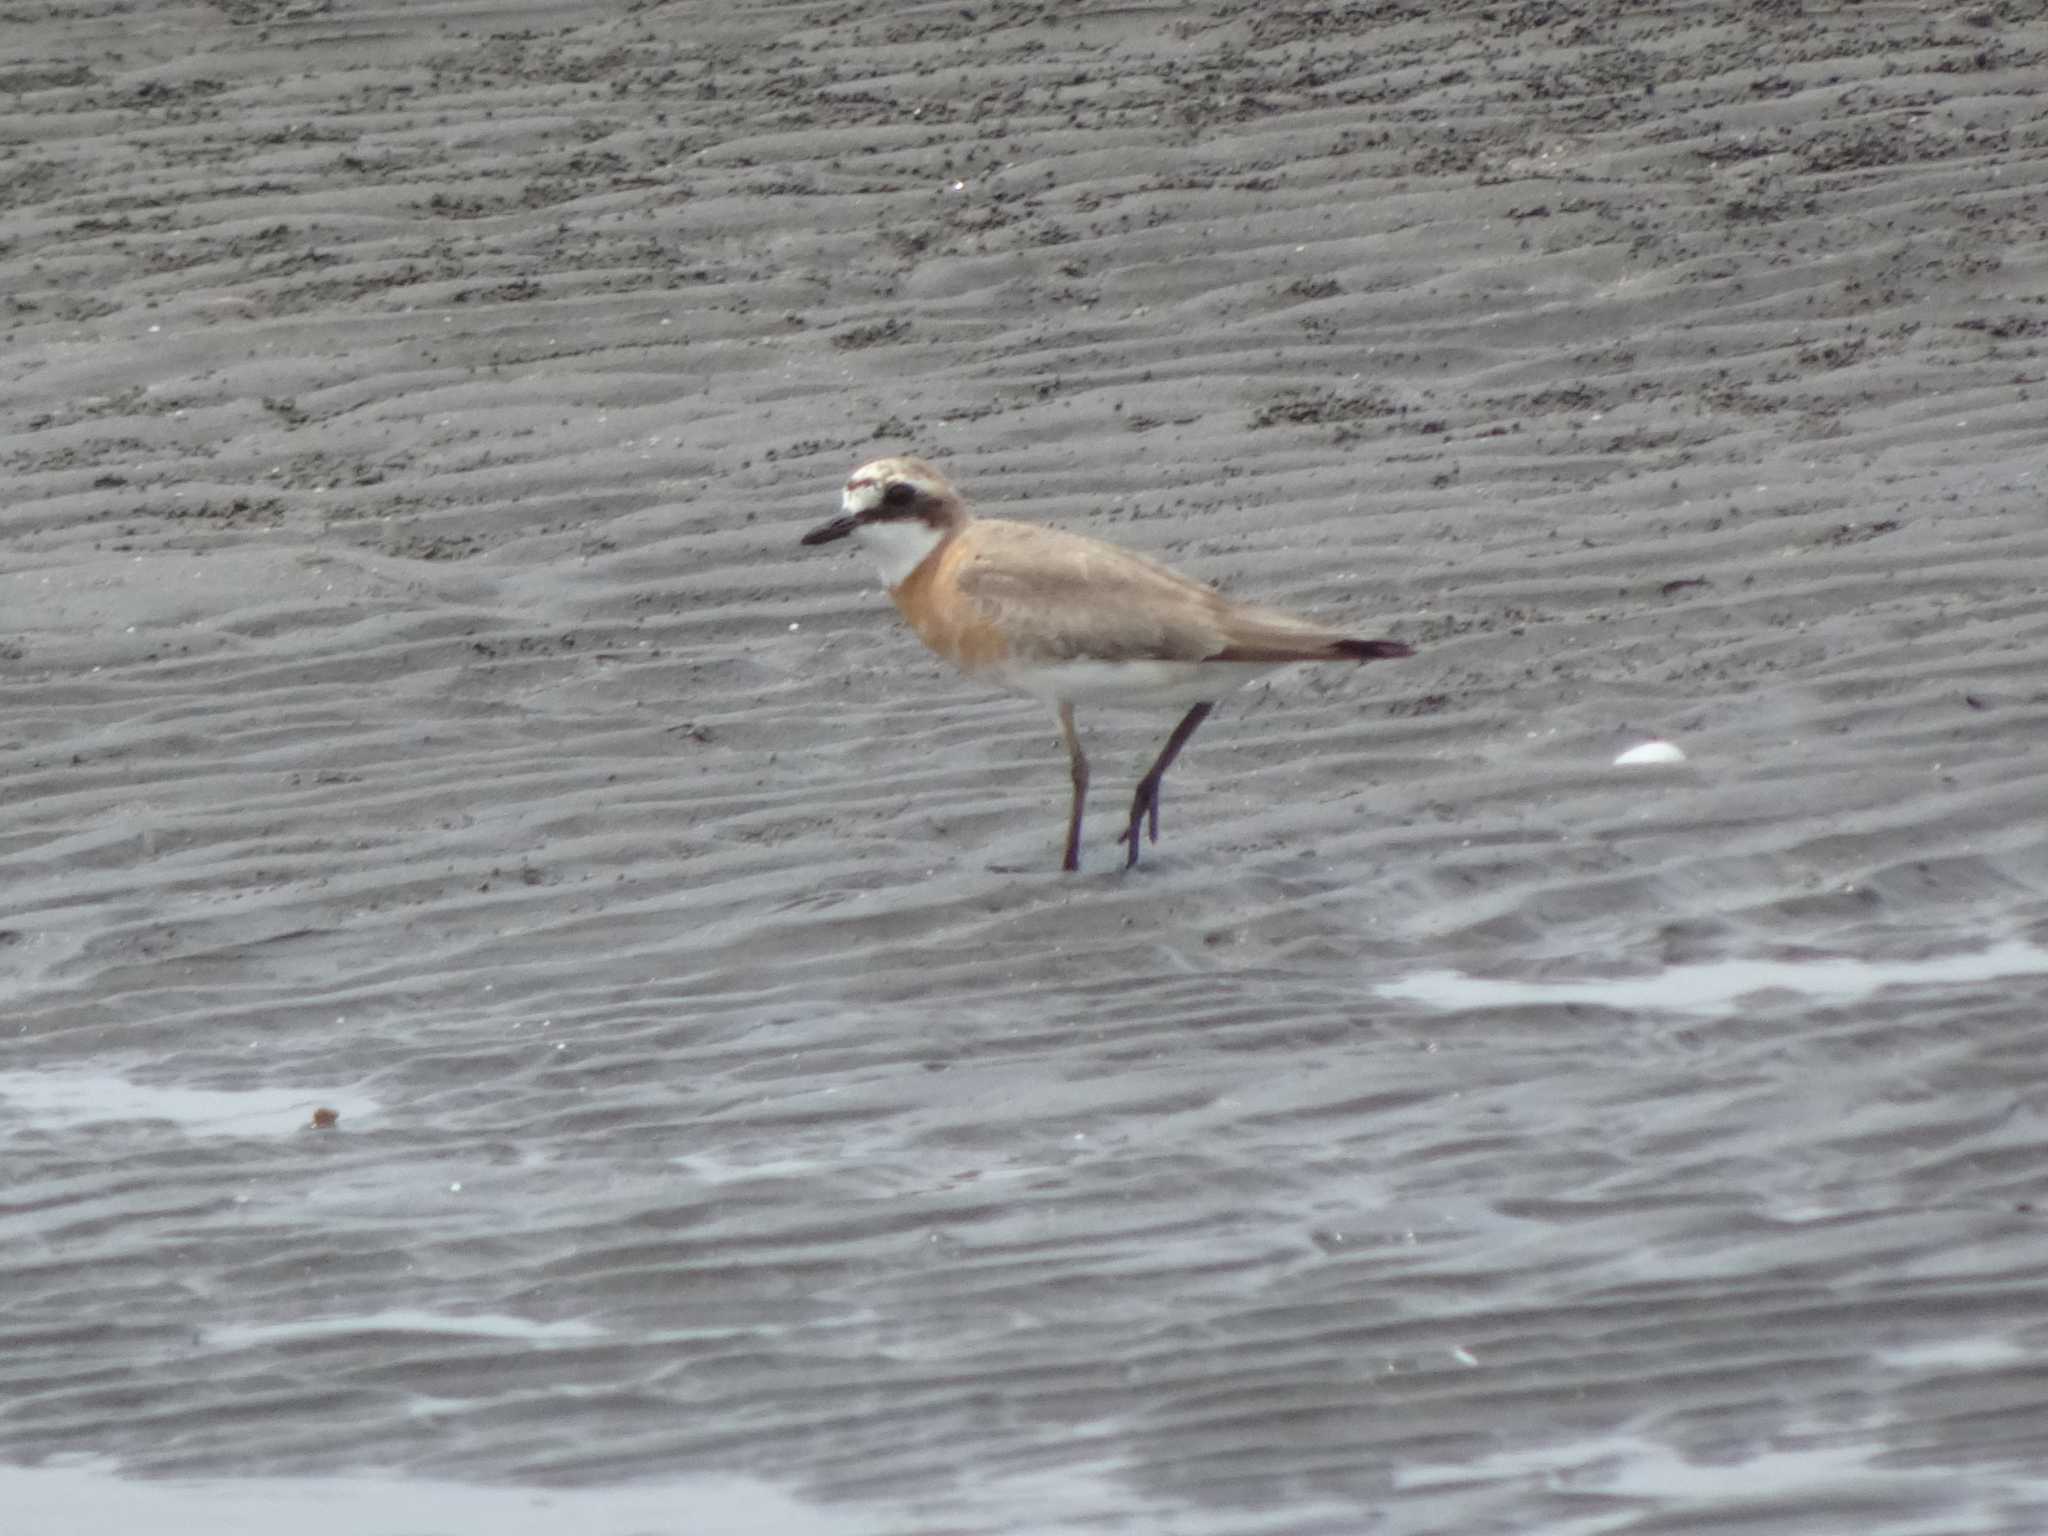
(865, 487)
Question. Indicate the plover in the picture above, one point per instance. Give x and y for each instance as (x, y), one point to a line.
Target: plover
(1068, 619)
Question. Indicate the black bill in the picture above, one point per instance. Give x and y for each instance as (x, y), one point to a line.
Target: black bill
(838, 528)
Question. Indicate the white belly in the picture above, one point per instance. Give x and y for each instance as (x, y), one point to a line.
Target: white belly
(1128, 682)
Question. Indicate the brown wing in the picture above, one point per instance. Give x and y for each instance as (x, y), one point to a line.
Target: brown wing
(1076, 596)
(1065, 595)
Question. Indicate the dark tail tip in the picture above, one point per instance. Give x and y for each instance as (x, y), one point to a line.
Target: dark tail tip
(1372, 650)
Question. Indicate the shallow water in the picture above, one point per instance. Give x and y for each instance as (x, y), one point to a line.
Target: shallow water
(1716, 986)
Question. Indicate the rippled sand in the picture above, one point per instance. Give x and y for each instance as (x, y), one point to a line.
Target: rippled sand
(414, 705)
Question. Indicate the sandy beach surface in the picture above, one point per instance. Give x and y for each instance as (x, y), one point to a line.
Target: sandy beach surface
(415, 705)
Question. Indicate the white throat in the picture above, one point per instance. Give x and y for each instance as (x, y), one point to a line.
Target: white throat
(898, 546)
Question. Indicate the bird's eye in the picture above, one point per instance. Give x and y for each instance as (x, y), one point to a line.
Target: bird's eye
(899, 495)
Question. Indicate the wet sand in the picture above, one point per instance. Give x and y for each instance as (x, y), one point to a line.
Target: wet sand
(416, 705)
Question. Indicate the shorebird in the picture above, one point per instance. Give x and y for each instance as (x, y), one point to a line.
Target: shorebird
(1068, 619)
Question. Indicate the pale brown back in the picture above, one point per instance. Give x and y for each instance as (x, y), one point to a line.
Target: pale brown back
(1061, 595)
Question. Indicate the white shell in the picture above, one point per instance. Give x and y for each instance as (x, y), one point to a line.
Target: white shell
(1649, 752)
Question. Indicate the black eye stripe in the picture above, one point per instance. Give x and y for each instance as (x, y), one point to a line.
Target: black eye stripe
(901, 494)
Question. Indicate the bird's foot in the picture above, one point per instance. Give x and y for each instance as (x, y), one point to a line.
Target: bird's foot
(1134, 834)
(1144, 820)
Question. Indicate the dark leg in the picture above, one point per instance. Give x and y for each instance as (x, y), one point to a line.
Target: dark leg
(1145, 803)
(1080, 766)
